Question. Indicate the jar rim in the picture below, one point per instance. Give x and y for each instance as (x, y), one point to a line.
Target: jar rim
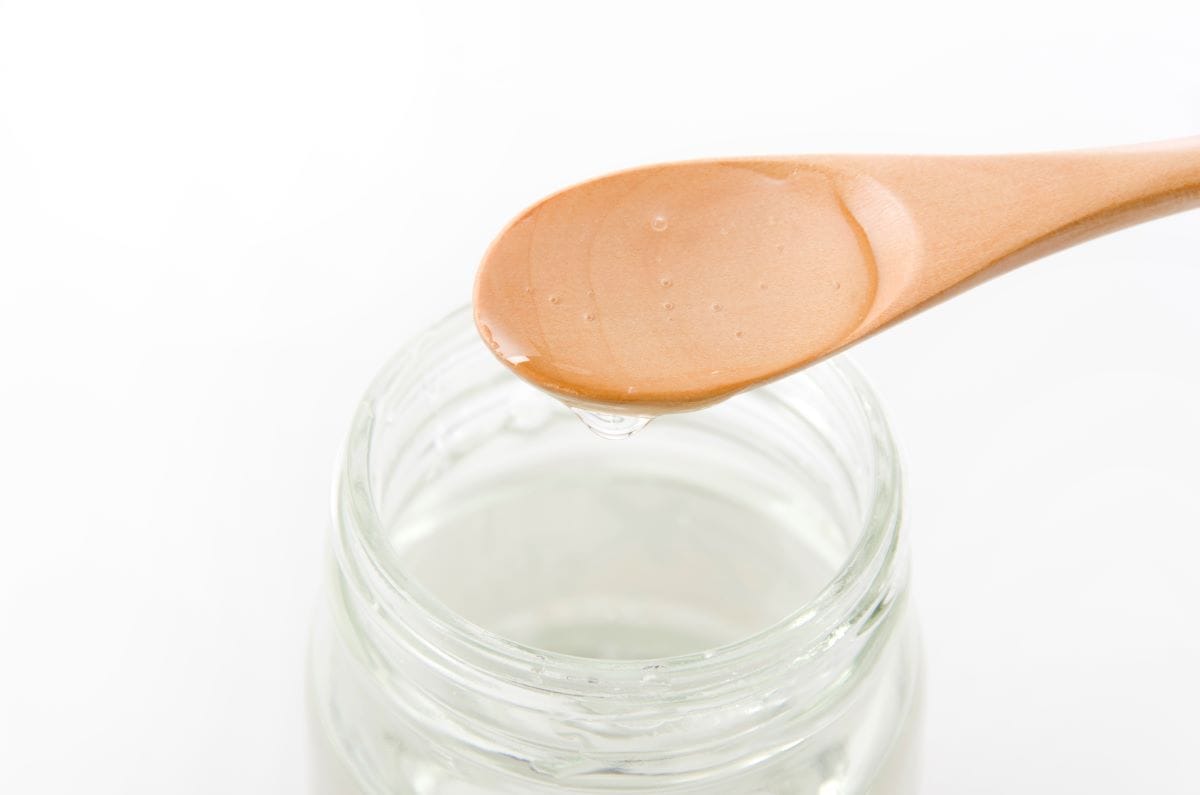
(355, 513)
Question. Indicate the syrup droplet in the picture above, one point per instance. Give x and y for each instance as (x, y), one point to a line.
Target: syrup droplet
(717, 307)
(665, 282)
(589, 316)
(668, 306)
(658, 223)
(554, 299)
(611, 426)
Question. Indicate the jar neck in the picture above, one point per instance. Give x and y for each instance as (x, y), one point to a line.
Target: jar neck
(492, 702)
(500, 705)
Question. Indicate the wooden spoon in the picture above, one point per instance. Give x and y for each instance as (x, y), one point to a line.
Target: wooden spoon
(671, 287)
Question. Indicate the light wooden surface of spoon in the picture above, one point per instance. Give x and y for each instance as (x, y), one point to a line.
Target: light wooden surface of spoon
(671, 287)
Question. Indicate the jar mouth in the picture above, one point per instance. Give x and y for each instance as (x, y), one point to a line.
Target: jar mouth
(361, 537)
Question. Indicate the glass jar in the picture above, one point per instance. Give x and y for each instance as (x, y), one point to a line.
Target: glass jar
(714, 605)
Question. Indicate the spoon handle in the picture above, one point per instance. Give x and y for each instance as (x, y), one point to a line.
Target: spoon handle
(981, 216)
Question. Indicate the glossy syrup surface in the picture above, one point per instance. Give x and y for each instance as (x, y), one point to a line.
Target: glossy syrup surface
(673, 287)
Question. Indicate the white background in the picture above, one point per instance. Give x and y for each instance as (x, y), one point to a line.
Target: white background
(218, 219)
